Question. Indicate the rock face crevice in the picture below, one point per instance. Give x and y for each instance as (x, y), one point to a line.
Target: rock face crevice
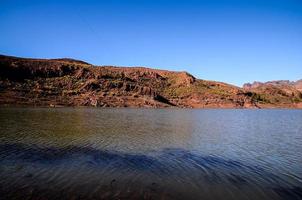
(69, 82)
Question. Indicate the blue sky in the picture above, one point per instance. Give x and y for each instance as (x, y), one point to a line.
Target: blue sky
(234, 41)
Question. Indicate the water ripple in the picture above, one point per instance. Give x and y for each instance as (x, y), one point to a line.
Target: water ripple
(172, 173)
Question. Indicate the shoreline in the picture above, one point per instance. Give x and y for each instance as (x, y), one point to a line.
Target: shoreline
(147, 108)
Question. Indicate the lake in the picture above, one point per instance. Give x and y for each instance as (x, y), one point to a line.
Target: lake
(91, 153)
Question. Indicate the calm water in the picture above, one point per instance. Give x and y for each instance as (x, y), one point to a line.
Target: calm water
(68, 153)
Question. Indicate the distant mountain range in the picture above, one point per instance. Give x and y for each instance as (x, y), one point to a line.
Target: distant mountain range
(281, 83)
(69, 82)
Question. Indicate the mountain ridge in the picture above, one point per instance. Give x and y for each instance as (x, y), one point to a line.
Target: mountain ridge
(297, 84)
(70, 82)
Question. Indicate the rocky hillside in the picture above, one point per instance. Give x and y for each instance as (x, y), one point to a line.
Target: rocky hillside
(68, 82)
(281, 93)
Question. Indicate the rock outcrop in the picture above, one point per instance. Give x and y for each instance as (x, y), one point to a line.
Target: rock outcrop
(68, 82)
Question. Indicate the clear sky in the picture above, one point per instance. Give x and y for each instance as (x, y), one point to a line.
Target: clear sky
(234, 41)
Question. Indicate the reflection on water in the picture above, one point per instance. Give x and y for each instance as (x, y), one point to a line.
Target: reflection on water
(150, 154)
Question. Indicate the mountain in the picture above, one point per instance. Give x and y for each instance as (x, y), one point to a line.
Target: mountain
(69, 82)
(281, 83)
(282, 92)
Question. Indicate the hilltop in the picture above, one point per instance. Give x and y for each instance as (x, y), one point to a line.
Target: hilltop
(69, 82)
